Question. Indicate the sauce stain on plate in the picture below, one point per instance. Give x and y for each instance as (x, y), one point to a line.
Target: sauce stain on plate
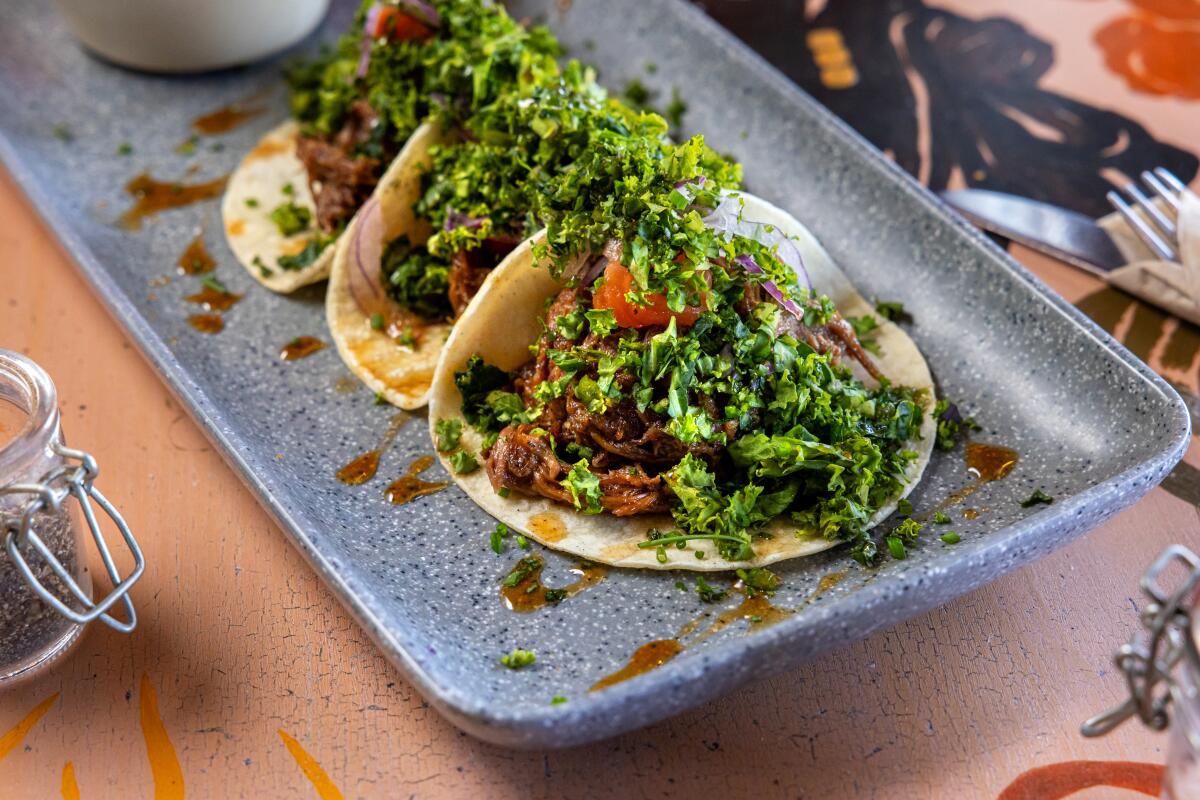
(152, 196)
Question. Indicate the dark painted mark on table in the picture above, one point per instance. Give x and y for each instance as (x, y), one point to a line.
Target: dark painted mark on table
(952, 97)
(1147, 326)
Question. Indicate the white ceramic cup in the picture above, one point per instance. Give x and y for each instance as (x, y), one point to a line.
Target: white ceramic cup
(189, 35)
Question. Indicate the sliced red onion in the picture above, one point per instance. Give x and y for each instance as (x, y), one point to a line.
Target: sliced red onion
(366, 250)
(750, 265)
(457, 219)
(421, 10)
(726, 218)
(593, 271)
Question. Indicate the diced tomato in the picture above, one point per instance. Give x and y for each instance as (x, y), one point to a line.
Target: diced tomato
(398, 26)
(617, 282)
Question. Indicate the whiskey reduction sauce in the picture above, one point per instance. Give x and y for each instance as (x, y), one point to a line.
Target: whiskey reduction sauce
(214, 299)
(301, 347)
(651, 655)
(986, 463)
(207, 323)
(224, 119)
(548, 527)
(522, 589)
(196, 259)
(409, 487)
(362, 468)
(152, 196)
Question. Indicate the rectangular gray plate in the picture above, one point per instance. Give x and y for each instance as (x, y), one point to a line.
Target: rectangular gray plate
(1094, 427)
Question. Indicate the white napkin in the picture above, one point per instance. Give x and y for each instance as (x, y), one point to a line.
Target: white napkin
(1174, 287)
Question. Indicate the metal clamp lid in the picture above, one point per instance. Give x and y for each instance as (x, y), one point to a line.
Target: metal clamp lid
(1168, 619)
(75, 480)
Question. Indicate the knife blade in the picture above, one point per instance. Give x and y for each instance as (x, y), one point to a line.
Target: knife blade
(1057, 232)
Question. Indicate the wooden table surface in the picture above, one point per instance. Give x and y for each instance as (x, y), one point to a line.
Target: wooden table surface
(245, 678)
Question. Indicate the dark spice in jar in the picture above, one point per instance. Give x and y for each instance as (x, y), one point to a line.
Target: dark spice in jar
(28, 626)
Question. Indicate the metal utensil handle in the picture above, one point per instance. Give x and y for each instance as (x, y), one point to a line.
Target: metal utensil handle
(1145, 665)
(48, 495)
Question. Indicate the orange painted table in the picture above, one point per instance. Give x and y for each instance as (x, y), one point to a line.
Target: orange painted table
(246, 679)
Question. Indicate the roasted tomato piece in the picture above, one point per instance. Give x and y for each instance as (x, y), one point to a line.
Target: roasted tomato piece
(617, 282)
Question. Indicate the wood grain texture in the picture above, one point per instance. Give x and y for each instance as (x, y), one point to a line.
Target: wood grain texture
(241, 641)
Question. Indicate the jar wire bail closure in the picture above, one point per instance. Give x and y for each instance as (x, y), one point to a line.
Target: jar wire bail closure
(1149, 659)
(47, 496)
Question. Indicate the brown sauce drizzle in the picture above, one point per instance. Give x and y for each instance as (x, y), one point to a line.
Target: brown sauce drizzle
(829, 581)
(152, 196)
(224, 119)
(548, 527)
(990, 462)
(207, 323)
(986, 463)
(409, 487)
(214, 299)
(971, 513)
(362, 468)
(346, 385)
(301, 347)
(527, 593)
(196, 260)
(651, 655)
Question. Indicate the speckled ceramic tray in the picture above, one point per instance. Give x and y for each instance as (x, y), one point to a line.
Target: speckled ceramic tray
(1093, 426)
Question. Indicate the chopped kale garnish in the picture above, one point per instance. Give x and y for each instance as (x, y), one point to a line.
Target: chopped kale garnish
(449, 433)
(584, 486)
(1037, 498)
(951, 424)
(416, 280)
(499, 534)
(463, 462)
(707, 592)
(759, 579)
(305, 258)
(291, 219)
(518, 659)
(894, 312)
(940, 518)
(904, 507)
(124, 149)
(950, 537)
(557, 700)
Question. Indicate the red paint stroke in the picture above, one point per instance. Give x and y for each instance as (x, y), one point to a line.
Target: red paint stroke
(1055, 781)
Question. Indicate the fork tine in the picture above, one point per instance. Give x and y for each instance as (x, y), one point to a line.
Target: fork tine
(1170, 179)
(1156, 216)
(1144, 231)
(1168, 196)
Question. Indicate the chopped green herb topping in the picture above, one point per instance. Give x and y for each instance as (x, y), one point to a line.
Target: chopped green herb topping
(214, 283)
(417, 280)
(449, 433)
(708, 593)
(1037, 498)
(894, 312)
(305, 258)
(950, 537)
(124, 149)
(951, 425)
(463, 462)
(518, 659)
(497, 538)
(251, 202)
(291, 219)
(903, 506)
(940, 519)
(557, 700)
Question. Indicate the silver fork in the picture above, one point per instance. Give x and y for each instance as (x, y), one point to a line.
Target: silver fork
(1160, 236)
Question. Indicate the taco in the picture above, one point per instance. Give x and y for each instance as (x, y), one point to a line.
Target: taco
(353, 108)
(455, 203)
(732, 419)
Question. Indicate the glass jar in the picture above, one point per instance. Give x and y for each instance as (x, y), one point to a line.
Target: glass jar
(1162, 668)
(46, 494)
